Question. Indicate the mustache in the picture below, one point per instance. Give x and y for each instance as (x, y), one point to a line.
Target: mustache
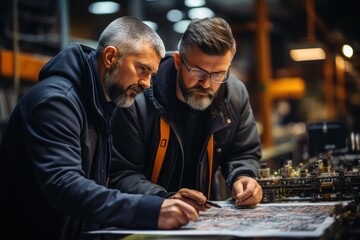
(136, 88)
(199, 88)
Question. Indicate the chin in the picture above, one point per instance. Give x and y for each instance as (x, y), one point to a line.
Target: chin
(124, 103)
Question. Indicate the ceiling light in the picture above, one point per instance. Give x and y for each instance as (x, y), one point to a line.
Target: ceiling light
(202, 12)
(151, 24)
(347, 51)
(307, 51)
(194, 3)
(307, 54)
(174, 15)
(106, 7)
(181, 26)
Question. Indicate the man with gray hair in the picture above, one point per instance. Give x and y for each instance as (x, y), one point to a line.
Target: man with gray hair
(56, 150)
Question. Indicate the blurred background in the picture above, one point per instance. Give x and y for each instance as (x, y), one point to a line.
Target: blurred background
(298, 58)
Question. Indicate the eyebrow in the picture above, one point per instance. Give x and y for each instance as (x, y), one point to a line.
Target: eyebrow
(207, 71)
(211, 72)
(148, 67)
(187, 64)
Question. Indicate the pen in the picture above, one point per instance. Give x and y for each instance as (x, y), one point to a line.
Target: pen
(212, 204)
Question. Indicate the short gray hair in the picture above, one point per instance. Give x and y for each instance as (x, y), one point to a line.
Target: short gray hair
(127, 33)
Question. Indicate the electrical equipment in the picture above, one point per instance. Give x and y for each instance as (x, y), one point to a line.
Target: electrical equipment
(316, 183)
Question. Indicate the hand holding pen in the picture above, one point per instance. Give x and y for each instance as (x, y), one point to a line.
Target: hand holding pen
(194, 198)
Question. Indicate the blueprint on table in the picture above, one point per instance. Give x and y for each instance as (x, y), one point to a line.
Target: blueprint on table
(265, 220)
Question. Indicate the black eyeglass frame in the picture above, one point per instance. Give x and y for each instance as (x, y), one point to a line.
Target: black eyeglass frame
(226, 77)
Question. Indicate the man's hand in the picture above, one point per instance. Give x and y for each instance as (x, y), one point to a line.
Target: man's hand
(192, 197)
(247, 192)
(175, 213)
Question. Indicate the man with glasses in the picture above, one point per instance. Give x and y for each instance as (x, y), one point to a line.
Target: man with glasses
(194, 119)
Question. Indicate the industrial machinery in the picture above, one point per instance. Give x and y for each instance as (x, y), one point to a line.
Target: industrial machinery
(331, 173)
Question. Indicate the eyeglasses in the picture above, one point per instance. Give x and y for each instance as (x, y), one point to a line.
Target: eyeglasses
(200, 75)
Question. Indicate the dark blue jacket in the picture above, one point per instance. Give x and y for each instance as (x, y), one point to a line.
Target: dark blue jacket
(55, 159)
(236, 140)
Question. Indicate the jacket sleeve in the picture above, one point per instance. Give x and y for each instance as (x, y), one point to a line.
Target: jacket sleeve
(131, 166)
(53, 132)
(244, 150)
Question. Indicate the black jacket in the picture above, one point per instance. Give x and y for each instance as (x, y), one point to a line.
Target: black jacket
(237, 145)
(55, 159)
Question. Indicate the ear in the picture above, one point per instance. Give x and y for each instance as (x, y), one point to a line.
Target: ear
(110, 56)
(177, 60)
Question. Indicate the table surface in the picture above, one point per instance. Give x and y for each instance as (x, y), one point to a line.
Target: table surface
(270, 221)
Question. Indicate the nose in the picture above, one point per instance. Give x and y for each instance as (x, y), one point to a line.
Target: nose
(145, 82)
(206, 81)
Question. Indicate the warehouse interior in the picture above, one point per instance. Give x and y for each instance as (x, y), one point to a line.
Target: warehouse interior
(293, 97)
(286, 94)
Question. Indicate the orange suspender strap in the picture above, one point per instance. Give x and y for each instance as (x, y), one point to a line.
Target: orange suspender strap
(160, 154)
(210, 151)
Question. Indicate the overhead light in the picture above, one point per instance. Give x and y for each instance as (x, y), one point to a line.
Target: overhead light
(307, 51)
(347, 51)
(307, 54)
(181, 26)
(174, 15)
(201, 12)
(105, 7)
(151, 24)
(194, 3)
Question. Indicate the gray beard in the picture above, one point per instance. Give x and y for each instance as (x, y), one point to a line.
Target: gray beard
(124, 101)
(198, 102)
(121, 97)
(195, 101)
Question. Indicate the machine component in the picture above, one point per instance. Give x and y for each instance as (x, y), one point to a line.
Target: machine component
(319, 184)
(332, 171)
